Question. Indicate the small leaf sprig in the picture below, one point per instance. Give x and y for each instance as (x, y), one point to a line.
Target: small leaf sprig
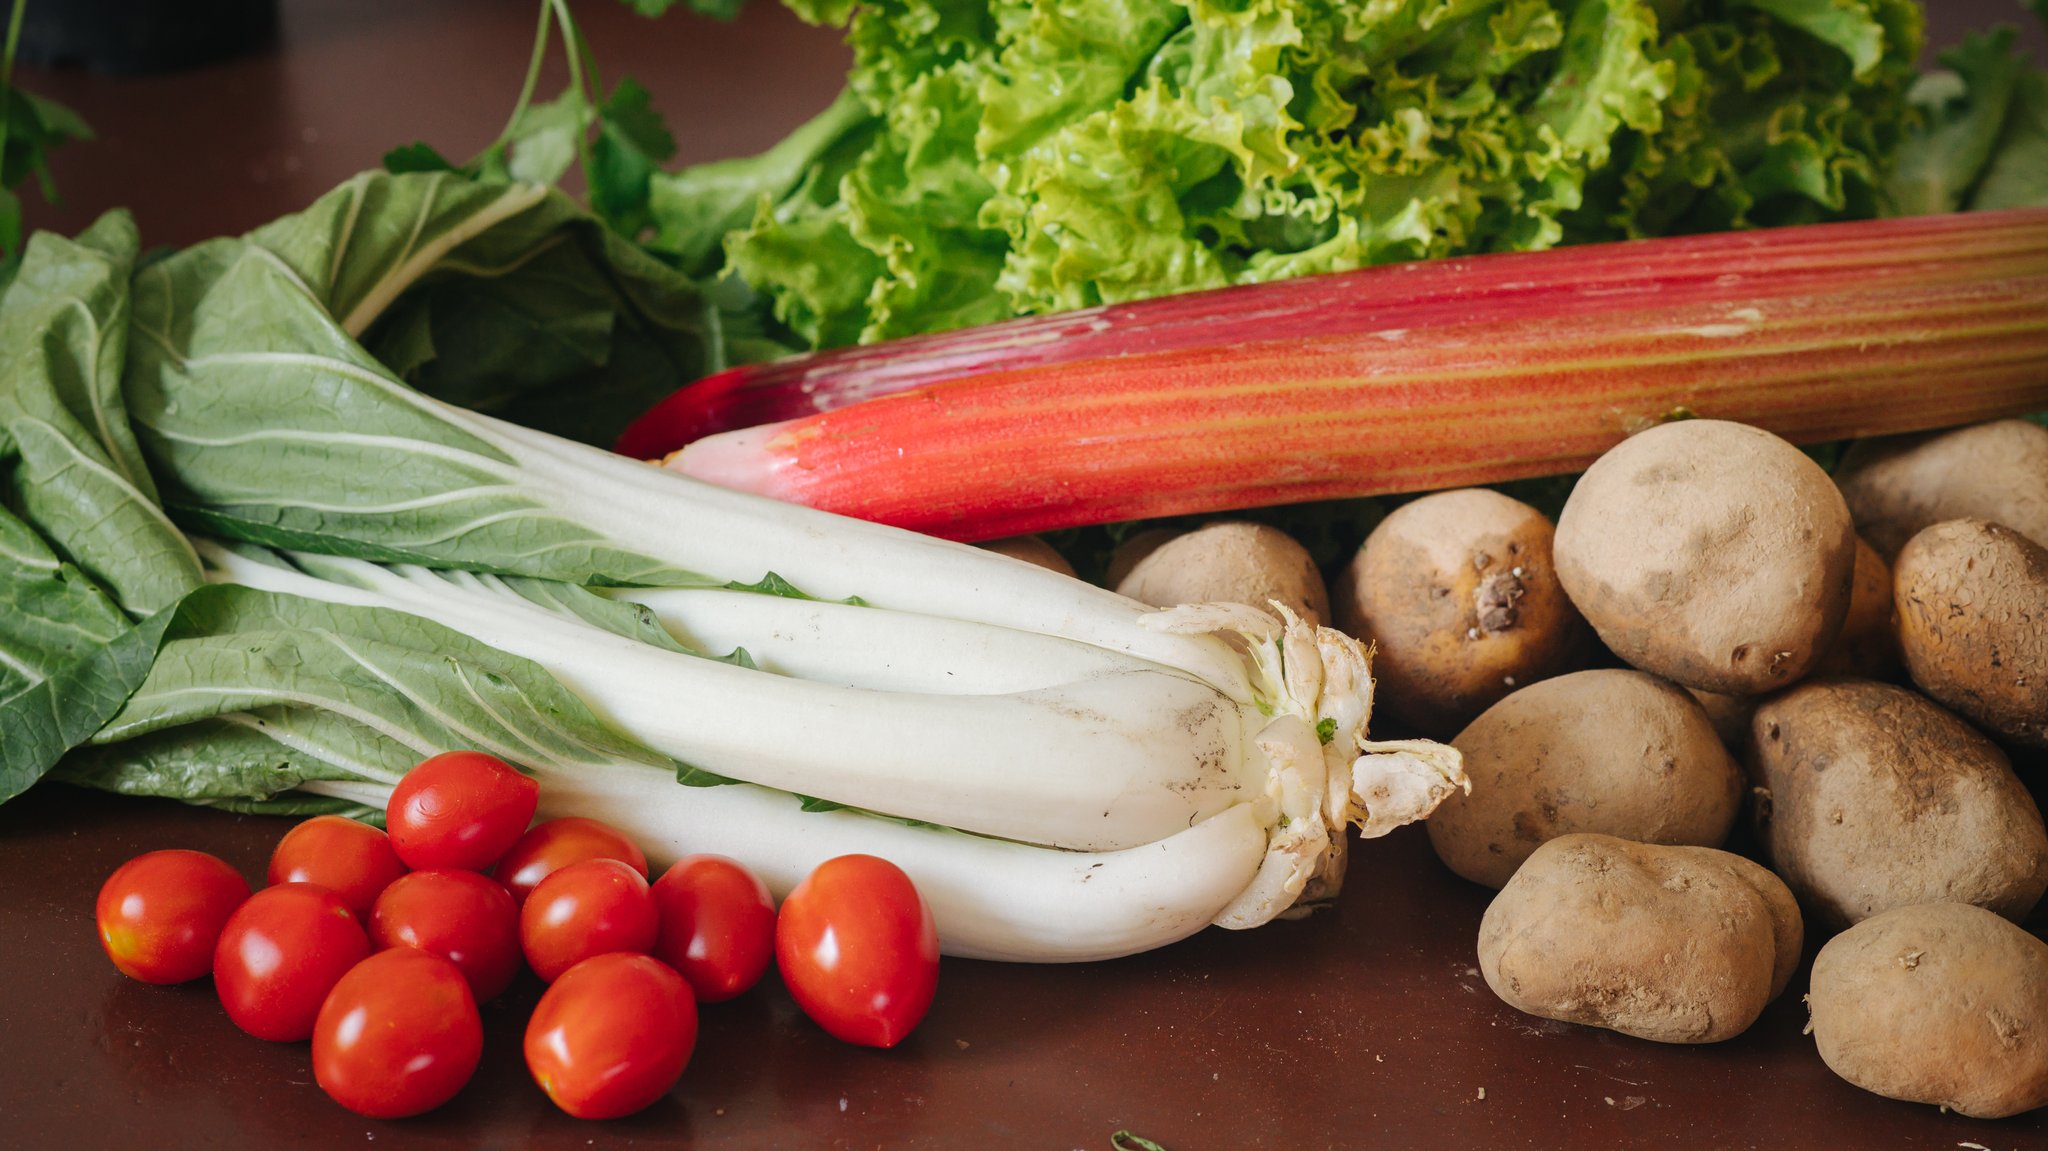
(617, 138)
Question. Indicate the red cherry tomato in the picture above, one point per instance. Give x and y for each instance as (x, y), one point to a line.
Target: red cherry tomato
(399, 1035)
(280, 954)
(717, 925)
(459, 915)
(160, 914)
(612, 1035)
(586, 909)
(551, 846)
(858, 949)
(459, 809)
(353, 860)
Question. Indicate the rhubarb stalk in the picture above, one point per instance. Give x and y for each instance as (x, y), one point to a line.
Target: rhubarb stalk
(1393, 379)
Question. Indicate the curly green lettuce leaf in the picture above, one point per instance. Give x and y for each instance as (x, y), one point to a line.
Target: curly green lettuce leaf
(1118, 150)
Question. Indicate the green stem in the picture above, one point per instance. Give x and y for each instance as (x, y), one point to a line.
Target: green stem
(7, 74)
(572, 44)
(540, 54)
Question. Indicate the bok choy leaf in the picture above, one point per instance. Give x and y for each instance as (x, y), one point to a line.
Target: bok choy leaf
(89, 564)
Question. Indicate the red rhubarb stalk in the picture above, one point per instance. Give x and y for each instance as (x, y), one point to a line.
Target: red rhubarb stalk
(1397, 379)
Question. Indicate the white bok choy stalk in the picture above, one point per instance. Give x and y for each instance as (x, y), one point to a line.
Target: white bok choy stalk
(1082, 724)
(1085, 749)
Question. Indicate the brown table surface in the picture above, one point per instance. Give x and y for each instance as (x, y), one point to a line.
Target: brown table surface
(1365, 1027)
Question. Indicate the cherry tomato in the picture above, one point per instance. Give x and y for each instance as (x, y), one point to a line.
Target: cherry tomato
(399, 1035)
(551, 846)
(858, 949)
(459, 809)
(586, 909)
(353, 860)
(461, 916)
(612, 1035)
(280, 954)
(160, 914)
(717, 925)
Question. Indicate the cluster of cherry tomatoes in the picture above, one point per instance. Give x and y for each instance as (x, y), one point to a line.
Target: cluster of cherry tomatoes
(378, 945)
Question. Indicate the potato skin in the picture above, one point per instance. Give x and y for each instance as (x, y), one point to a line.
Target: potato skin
(1995, 471)
(1610, 750)
(1672, 944)
(1870, 797)
(1711, 553)
(1031, 550)
(1936, 1003)
(1458, 596)
(1230, 562)
(1868, 646)
(1972, 601)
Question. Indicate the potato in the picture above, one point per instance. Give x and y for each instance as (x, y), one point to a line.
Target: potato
(1230, 563)
(1031, 550)
(1673, 944)
(1710, 553)
(1868, 646)
(1610, 750)
(1458, 597)
(1900, 484)
(1869, 797)
(1135, 547)
(1936, 1003)
(1972, 600)
(1729, 714)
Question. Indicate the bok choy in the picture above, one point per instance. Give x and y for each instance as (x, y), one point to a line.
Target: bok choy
(1066, 774)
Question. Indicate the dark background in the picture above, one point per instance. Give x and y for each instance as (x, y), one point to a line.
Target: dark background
(1367, 1027)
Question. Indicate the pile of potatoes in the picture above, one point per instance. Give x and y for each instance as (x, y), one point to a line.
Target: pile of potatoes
(1716, 624)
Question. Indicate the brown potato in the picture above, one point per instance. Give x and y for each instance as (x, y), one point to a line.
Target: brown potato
(1711, 553)
(1134, 548)
(1611, 751)
(1457, 594)
(1673, 944)
(1936, 1003)
(1031, 550)
(1230, 563)
(1900, 484)
(1869, 797)
(1730, 716)
(1868, 646)
(1972, 601)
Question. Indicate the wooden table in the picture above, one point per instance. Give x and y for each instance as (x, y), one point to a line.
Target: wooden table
(1366, 1027)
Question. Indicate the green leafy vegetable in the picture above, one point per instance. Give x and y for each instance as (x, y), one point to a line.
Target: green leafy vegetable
(88, 562)
(265, 418)
(256, 694)
(68, 656)
(72, 466)
(30, 128)
(1025, 157)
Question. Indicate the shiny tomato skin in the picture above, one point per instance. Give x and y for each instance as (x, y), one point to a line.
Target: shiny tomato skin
(611, 1035)
(161, 913)
(351, 859)
(280, 954)
(857, 947)
(459, 809)
(717, 925)
(398, 1035)
(462, 916)
(586, 909)
(554, 844)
